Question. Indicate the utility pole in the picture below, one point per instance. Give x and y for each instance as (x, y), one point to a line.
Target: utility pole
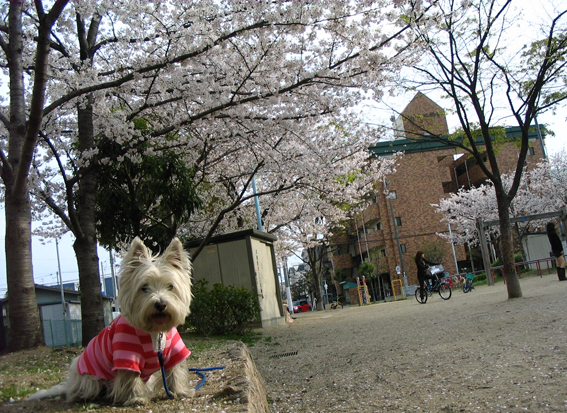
(358, 238)
(257, 203)
(386, 183)
(114, 285)
(60, 279)
(484, 250)
(287, 286)
(453, 247)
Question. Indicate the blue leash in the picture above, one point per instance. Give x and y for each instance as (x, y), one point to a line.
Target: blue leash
(160, 358)
(198, 371)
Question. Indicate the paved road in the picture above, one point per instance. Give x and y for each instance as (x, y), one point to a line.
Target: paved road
(477, 352)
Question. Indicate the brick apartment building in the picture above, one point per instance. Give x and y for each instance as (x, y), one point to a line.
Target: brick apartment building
(394, 226)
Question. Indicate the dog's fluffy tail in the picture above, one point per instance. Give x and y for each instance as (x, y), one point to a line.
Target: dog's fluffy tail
(58, 390)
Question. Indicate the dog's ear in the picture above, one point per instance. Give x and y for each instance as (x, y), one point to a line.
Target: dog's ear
(137, 251)
(176, 256)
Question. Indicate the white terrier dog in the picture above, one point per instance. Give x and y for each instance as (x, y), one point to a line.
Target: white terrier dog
(155, 295)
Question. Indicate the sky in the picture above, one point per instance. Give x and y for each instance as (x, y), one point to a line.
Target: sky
(45, 263)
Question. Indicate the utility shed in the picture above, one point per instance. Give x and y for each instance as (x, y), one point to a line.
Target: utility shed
(243, 259)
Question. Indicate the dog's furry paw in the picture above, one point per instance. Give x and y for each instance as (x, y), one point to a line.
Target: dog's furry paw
(186, 393)
(136, 401)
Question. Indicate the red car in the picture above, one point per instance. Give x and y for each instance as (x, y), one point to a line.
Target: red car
(301, 306)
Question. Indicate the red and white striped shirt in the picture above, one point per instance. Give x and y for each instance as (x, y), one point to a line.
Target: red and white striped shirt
(120, 346)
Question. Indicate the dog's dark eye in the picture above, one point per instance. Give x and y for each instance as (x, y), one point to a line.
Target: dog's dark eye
(169, 287)
(145, 288)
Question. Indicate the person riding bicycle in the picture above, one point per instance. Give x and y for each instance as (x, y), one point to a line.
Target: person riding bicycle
(423, 273)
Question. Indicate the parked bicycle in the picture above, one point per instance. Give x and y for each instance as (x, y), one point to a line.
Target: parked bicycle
(458, 280)
(440, 285)
(467, 285)
(336, 304)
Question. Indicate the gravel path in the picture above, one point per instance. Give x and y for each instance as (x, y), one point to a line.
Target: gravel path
(477, 352)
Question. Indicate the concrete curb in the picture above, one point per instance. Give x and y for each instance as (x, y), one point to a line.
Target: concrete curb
(249, 386)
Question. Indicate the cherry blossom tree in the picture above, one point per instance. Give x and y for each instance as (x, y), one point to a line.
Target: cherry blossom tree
(21, 123)
(542, 189)
(558, 173)
(490, 74)
(316, 216)
(461, 210)
(240, 89)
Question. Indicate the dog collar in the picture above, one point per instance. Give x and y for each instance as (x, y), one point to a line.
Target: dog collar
(158, 341)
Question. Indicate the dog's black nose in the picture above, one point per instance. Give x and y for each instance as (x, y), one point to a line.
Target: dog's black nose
(160, 306)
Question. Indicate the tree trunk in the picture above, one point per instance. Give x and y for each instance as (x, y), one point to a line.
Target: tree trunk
(318, 291)
(520, 235)
(85, 245)
(507, 246)
(315, 258)
(316, 271)
(91, 298)
(25, 321)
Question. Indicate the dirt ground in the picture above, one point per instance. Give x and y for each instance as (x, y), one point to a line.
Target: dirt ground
(477, 352)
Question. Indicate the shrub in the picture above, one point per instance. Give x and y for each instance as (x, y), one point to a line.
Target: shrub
(366, 269)
(479, 277)
(222, 310)
(517, 258)
(496, 264)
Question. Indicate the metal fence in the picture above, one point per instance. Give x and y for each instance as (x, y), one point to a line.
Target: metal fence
(62, 332)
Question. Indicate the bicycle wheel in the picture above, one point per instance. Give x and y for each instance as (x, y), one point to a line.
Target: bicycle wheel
(418, 296)
(467, 286)
(445, 291)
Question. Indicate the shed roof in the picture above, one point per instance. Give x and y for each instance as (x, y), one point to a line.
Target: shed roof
(254, 233)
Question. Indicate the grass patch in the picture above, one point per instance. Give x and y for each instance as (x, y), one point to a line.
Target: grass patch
(33, 366)
(50, 364)
(14, 392)
(525, 273)
(497, 279)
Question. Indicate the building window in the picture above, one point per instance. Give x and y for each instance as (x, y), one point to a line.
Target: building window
(403, 248)
(398, 221)
(382, 252)
(376, 226)
(531, 150)
(374, 199)
(373, 226)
